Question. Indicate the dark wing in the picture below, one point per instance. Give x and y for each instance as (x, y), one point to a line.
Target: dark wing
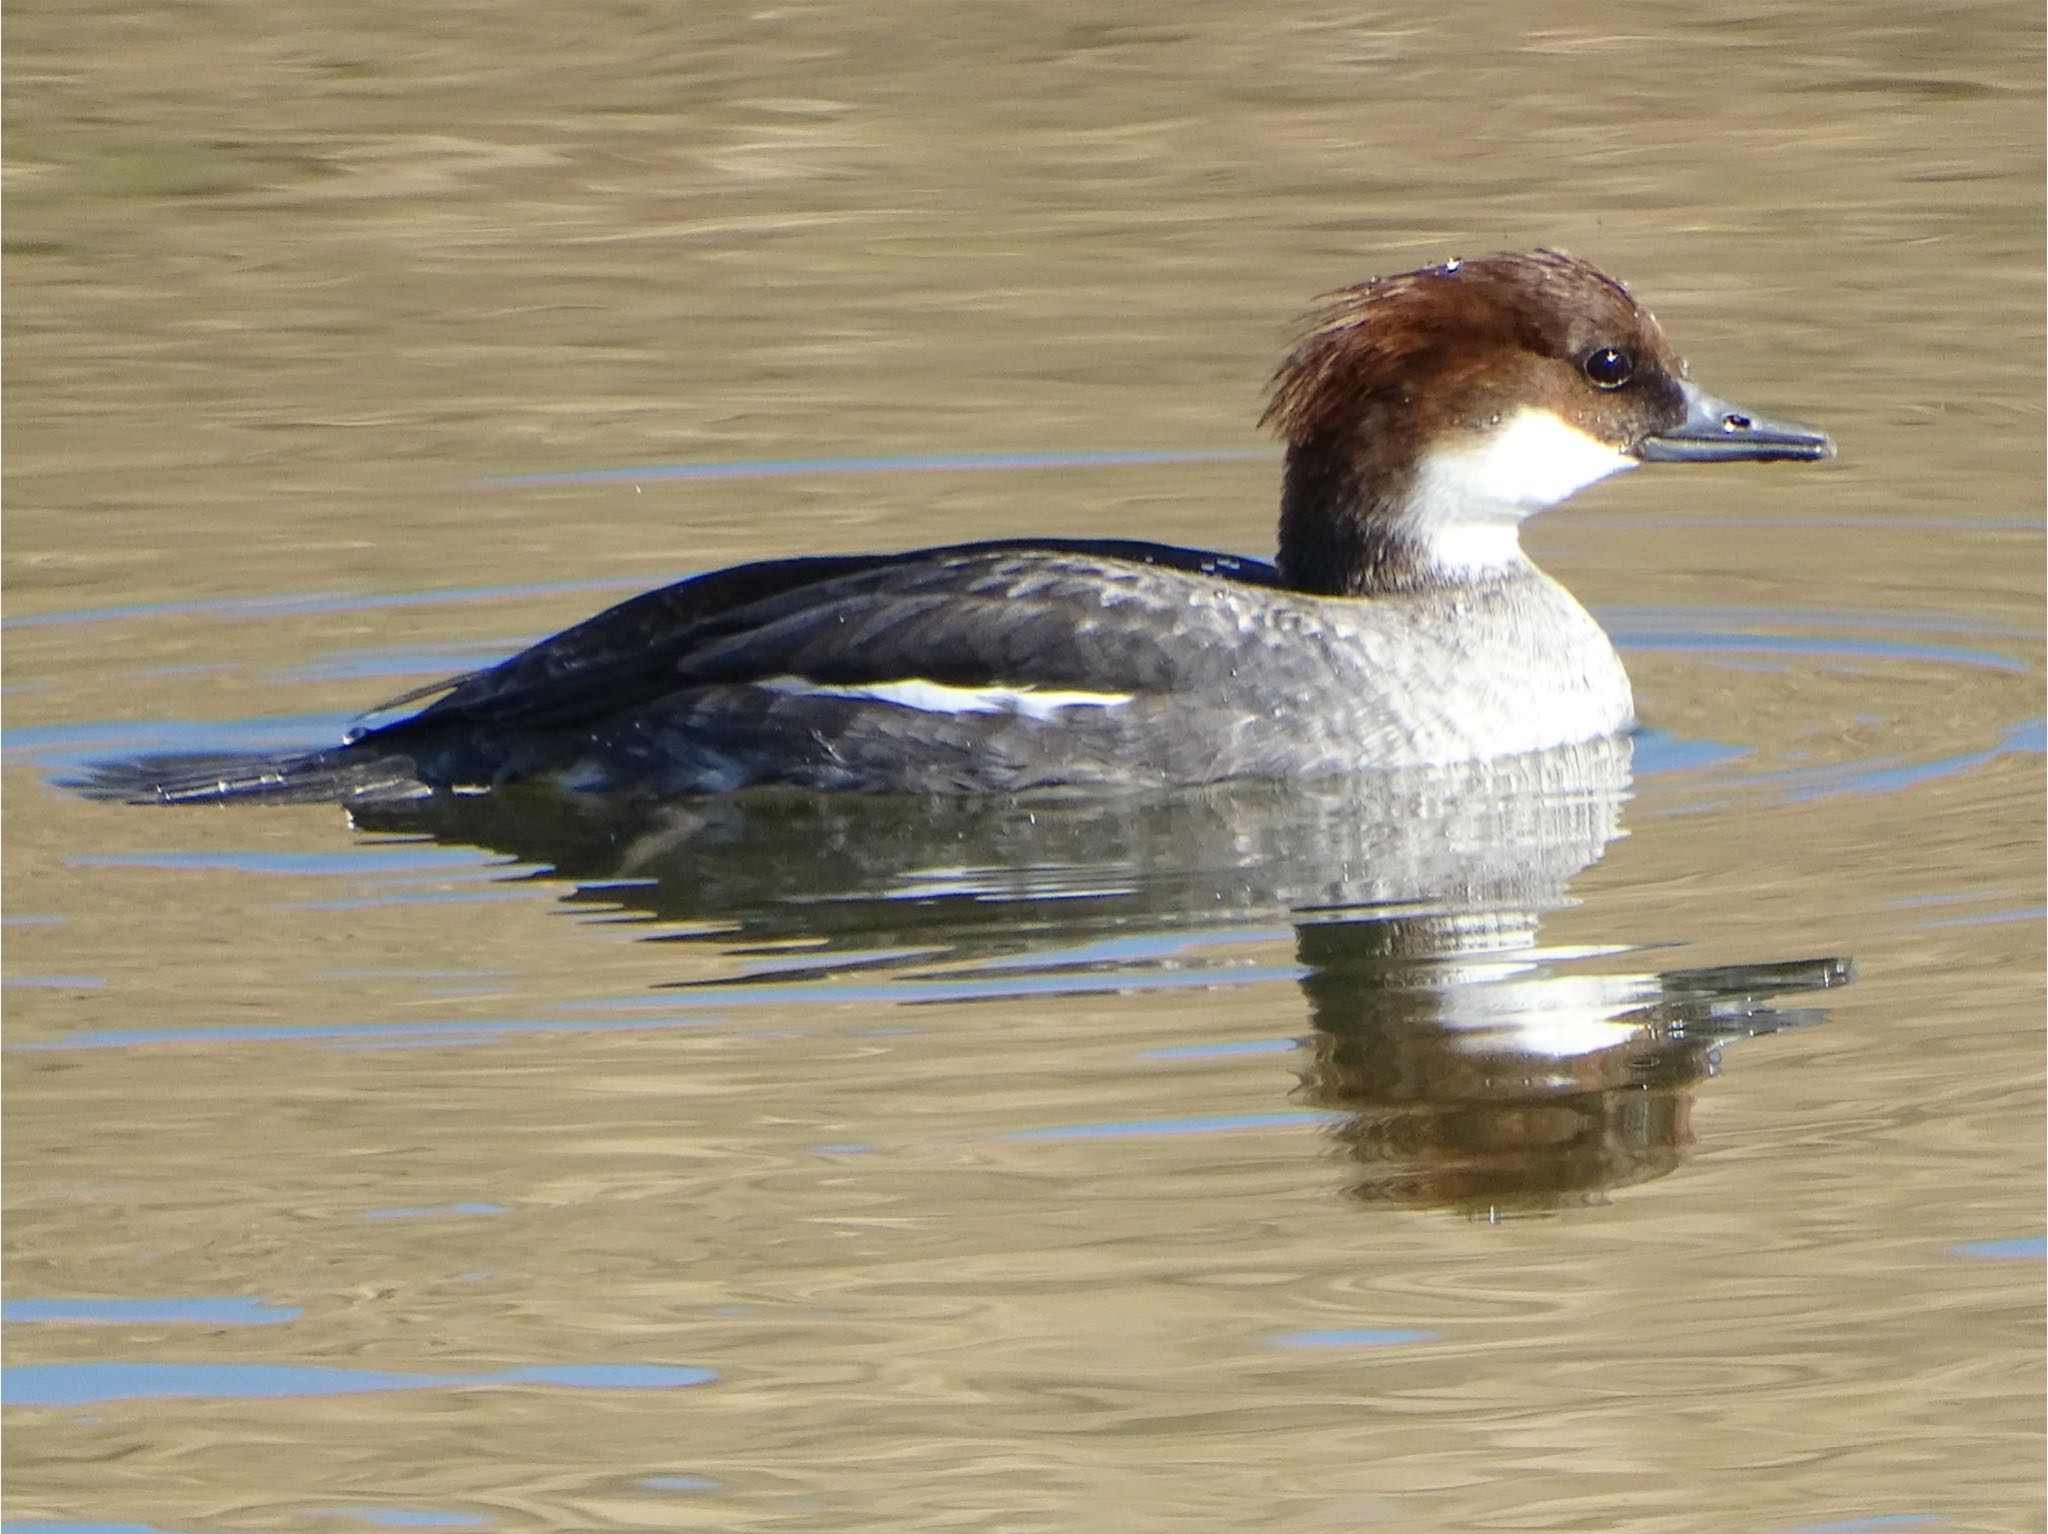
(636, 637)
(1039, 613)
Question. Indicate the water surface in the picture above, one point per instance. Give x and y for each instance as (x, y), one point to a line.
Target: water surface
(1659, 1149)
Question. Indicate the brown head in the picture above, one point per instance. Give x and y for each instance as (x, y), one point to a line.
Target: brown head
(1427, 413)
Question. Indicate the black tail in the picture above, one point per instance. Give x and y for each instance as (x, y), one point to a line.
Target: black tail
(341, 776)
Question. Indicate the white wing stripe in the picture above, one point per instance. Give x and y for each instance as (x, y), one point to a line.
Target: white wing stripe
(938, 698)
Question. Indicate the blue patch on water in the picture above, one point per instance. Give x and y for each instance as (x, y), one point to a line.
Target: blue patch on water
(55, 982)
(677, 1483)
(390, 661)
(2028, 738)
(1660, 751)
(1877, 1523)
(1137, 1129)
(77, 744)
(1353, 1337)
(1985, 918)
(1833, 649)
(771, 468)
(2016, 1249)
(2019, 740)
(449, 1032)
(406, 857)
(399, 1517)
(82, 1384)
(393, 1046)
(1220, 1051)
(304, 603)
(1632, 617)
(181, 1312)
(430, 1211)
(848, 1148)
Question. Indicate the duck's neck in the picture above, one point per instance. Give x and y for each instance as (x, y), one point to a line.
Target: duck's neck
(1351, 528)
(1360, 517)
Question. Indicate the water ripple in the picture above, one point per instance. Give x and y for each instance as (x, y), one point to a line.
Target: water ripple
(82, 1384)
(207, 1311)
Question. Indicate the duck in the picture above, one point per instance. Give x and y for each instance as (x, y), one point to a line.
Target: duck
(1400, 624)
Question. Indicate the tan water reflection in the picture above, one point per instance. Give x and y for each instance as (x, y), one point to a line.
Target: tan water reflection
(1459, 1067)
(284, 285)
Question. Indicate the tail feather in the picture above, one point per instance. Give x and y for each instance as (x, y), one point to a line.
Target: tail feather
(313, 777)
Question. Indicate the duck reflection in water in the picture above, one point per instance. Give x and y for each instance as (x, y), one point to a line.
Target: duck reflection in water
(1467, 1066)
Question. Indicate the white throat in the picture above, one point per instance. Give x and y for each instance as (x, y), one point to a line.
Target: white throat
(1468, 502)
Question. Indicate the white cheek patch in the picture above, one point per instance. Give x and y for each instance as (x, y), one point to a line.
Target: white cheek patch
(938, 698)
(1468, 501)
(1533, 460)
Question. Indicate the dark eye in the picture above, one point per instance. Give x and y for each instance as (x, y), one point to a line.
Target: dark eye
(1608, 368)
